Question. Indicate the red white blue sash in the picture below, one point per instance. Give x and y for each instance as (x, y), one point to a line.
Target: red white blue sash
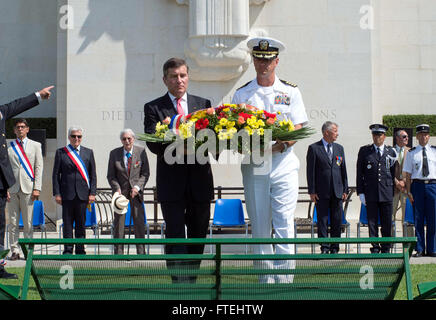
(18, 149)
(74, 156)
(175, 123)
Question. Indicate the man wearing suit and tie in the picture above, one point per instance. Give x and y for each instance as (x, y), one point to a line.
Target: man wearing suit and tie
(327, 183)
(400, 192)
(375, 184)
(7, 178)
(184, 190)
(27, 164)
(74, 186)
(128, 172)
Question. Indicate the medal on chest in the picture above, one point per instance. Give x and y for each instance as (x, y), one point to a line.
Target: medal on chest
(282, 99)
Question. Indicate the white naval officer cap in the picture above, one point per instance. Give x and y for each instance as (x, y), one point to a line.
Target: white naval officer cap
(423, 128)
(265, 48)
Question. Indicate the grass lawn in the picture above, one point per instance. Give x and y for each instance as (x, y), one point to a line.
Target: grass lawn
(420, 273)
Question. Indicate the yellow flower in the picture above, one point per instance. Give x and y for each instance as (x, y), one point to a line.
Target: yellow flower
(185, 130)
(249, 130)
(218, 128)
(252, 122)
(260, 131)
(226, 109)
(222, 135)
(260, 123)
(230, 124)
(223, 122)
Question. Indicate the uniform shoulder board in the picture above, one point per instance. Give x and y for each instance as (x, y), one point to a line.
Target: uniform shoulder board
(433, 147)
(244, 85)
(288, 83)
(411, 149)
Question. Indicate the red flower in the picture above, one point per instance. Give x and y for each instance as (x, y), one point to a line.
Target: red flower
(245, 115)
(201, 124)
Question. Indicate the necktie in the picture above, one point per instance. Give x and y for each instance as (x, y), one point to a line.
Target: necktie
(379, 155)
(179, 107)
(329, 151)
(425, 171)
(129, 162)
(22, 144)
(400, 157)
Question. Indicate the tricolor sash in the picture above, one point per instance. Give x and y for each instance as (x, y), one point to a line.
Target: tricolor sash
(74, 156)
(18, 149)
(175, 123)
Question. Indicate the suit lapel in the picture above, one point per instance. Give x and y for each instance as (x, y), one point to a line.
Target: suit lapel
(167, 108)
(324, 152)
(121, 158)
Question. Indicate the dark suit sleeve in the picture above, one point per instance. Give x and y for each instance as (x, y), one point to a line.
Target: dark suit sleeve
(359, 172)
(310, 170)
(18, 106)
(92, 174)
(56, 175)
(111, 173)
(344, 172)
(150, 119)
(145, 170)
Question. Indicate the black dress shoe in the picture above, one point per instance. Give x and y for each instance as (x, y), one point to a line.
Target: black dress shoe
(334, 251)
(418, 255)
(432, 254)
(6, 275)
(324, 251)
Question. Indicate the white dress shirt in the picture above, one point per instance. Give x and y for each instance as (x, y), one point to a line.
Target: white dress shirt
(184, 102)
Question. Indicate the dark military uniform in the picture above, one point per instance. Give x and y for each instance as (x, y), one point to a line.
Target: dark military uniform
(375, 179)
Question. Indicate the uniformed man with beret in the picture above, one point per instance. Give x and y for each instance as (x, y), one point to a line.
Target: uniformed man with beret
(7, 178)
(375, 184)
(420, 169)
(271, 194)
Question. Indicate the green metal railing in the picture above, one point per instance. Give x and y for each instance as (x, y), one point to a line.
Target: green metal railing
(225, 276)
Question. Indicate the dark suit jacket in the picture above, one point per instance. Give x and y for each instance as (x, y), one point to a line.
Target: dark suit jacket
(375, 177)
(174, 181)
(323, 175)
(8, 111)
(66, 178)
(117, 172)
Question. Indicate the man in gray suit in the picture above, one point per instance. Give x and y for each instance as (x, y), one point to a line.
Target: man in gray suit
(128, 172)
(25, 156)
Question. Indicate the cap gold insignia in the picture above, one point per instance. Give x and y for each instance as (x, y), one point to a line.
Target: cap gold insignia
(263, 45)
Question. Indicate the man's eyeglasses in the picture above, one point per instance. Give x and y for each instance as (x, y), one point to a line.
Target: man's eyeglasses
(74, 136)
(21, 127)
(125, 139)
(404, 137)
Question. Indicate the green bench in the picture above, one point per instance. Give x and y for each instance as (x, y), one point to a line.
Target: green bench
(8, 292)
(220, 277)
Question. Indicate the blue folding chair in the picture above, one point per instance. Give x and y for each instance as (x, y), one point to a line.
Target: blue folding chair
(228, 213)
(345, 224)
(128, 224)
(363, 222)
(38, 222)
(90, 223)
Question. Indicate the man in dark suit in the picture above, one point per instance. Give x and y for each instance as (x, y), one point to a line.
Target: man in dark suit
(375, 176)
(128, 172)
(7, 178)
(74, 186)
(184, 190)
(327, 183)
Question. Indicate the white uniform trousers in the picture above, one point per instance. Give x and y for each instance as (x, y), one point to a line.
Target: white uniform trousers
(271, 200)
(20, 202)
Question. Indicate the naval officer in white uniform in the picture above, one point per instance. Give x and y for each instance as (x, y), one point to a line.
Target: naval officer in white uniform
(271, 195)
